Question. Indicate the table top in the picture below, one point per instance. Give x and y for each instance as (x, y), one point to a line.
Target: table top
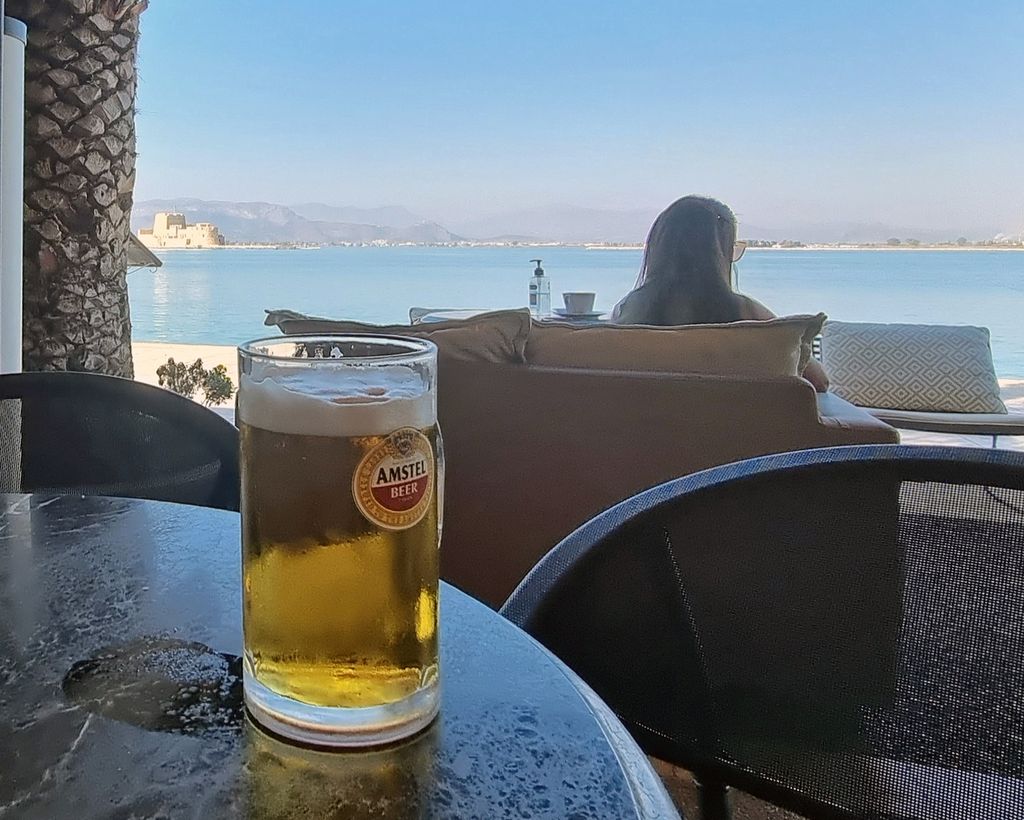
(120, 692)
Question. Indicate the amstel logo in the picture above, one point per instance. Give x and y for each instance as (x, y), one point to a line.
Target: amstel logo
(394, 482)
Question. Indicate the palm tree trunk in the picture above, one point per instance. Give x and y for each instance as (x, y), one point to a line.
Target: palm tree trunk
(79, 178)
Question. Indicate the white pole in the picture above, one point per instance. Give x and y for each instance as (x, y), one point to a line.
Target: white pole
(12, 182)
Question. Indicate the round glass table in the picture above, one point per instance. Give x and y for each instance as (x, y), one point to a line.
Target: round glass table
(120, 693)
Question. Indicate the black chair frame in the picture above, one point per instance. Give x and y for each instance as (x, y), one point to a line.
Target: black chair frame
(526, 605)
(162, 410)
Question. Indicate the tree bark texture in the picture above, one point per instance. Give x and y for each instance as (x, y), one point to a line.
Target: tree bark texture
(79, 178)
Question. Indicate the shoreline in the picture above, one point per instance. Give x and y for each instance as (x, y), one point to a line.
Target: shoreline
(283, 246)
(592, 246)
(898, 248)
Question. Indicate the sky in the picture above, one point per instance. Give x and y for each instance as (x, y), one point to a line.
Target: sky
(908, 113)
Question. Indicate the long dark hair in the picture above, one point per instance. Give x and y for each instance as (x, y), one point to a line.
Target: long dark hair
(688, 262)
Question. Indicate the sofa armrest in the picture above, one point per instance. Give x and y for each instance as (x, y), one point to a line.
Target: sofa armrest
(842, 416)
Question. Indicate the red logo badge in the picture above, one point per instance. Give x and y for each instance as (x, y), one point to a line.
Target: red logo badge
(393, 484)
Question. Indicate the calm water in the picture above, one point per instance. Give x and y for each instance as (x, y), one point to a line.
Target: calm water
(219, 296)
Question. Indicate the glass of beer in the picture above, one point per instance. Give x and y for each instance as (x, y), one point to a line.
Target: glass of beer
(342, 479)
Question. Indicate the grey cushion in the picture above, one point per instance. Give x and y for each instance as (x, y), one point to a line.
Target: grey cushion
(965, 424)
(499, 336)
(935, 368)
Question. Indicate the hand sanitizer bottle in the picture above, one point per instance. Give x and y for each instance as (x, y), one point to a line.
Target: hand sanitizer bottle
(540, 292)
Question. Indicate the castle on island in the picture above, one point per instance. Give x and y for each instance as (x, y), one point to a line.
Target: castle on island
(171, 231)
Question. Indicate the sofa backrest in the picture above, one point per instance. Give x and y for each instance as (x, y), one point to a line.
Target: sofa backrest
(532, 453)
(775, 347)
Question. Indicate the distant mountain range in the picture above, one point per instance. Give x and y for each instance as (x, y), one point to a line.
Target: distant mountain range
(852, 233)
(562, 223)
(267, 222)
(393, 216)
(317, 222)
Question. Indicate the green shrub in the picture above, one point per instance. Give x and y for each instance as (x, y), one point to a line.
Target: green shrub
(217, 386)
(181, 378)
(186, 379)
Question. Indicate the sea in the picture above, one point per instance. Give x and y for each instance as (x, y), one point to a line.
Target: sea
(219, 296)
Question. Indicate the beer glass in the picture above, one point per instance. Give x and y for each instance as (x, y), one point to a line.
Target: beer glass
(342, 479)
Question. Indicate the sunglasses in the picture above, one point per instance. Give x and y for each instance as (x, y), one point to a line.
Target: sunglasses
(738, 249)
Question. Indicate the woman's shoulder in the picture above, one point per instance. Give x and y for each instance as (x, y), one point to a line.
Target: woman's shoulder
(639, 306)
(752, 309)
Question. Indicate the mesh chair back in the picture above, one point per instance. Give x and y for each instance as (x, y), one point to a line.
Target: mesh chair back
(101, 435)
(840, 631)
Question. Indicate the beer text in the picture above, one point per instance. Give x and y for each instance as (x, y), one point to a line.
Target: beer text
(403, 472)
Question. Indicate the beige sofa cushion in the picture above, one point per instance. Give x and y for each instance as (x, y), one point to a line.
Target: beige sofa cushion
(776, 347)
(935, 368)
(490, 337)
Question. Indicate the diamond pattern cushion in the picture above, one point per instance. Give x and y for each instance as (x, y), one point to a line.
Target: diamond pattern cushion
(935, 368)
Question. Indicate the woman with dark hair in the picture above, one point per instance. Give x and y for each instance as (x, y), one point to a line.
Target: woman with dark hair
(686, 274)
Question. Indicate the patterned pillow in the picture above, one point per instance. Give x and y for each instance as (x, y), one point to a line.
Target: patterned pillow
(935, 368)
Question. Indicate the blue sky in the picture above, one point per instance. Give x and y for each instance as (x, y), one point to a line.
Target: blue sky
(908, 113)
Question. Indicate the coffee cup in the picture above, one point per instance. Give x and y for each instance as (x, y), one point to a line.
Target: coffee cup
(577, 302)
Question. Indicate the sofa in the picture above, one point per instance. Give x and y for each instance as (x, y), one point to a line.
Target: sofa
(534, 448)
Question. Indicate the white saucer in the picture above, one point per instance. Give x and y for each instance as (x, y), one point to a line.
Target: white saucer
(593, 314)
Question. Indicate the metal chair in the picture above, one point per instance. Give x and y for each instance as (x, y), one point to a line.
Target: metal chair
(71, 433)
(837, 631)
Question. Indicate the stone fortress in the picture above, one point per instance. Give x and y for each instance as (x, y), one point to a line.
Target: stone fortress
(171, 231)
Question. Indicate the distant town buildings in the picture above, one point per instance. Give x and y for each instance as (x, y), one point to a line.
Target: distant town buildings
(171, 231)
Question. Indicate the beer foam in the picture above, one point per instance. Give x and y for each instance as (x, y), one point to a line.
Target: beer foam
(321, 401)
